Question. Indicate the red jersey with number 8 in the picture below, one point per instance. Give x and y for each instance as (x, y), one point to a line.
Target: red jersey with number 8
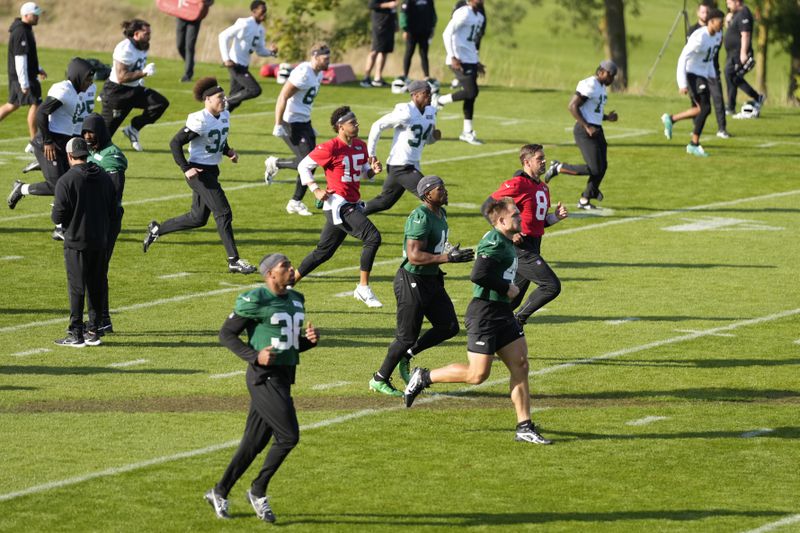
(344, 166)
(532, 199)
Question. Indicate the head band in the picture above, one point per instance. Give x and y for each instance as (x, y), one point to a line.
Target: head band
(346, 118)
(270, 261)
(211, 91)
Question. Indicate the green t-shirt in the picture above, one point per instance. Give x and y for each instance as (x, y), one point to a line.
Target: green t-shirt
(278, 322)
(423, 225)
(110, 159)
(494, 245)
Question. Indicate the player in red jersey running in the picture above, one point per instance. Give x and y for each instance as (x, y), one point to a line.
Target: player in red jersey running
(345, 161)
(532, 198)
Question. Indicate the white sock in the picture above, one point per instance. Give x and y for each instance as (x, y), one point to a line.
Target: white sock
(558, 167)
(467, 125)
(25, 190)
(446, 99)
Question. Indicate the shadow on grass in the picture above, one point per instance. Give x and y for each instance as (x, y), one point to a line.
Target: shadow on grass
(14, 387)
(601, 264)
(568, 319)
(694, 363)
(88, 370)
(792, 433)
(511, 519)
(31, 311)
(708, 394)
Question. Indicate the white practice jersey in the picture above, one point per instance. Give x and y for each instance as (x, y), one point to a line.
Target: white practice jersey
(130, 56)
(237, 42)
(461, 35)
(298, 107)
(64, 119)
(85, 107)
(213, 132)
(697, 56)
(595, 94)
(412, 131)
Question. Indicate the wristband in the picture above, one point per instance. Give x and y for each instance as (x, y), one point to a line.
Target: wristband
(313, 186)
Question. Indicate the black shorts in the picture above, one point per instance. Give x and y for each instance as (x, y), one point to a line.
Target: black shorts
(18, 98)
(382, 38)
(490, 326)
(698, 86)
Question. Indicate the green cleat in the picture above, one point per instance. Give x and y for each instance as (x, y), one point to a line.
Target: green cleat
(667, 120)
(384, 387)
(405, 369)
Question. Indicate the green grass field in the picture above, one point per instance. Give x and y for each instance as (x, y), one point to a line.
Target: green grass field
(666, 371)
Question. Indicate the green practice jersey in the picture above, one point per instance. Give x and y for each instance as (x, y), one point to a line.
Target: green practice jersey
(423, 225)
(494, 245)
(110, 159)
(278, 322)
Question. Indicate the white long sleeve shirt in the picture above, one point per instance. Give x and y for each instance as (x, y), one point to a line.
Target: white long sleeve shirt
(461, 35)
(697, 56)
(412, 132)
(237, 42)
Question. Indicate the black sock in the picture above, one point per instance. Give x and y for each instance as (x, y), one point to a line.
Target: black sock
(525, 424)
(377, 377)
(426, 377)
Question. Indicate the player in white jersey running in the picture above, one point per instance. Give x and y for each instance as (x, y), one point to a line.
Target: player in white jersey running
(56, 120)
(414, 126)
(588, 107)
(695, 68)
(206, 133)
(236, 44)
(460, 41)
(124, 90)
(293, 120)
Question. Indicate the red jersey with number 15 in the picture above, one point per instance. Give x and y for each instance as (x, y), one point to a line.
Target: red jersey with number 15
(532, 199)
(343, 165)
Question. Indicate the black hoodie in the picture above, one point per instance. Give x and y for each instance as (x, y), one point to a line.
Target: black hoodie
(85, 205)
(21, 42)
(76, 72)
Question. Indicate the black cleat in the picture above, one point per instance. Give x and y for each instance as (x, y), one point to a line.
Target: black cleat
(58, 233)
(552, 170)
(240, 266)
(529, 434)
(152, 235)
(415, 385)
(16, 194)
(30, 167)
(73, 340)
(92, 338)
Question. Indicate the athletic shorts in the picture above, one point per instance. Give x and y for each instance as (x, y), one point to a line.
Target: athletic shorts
(382, 37)
(490, 326)
(697, 85)
(17, 97)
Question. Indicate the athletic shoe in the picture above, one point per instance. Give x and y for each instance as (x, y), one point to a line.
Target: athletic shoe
(29, 149)
(762, 98)
(667, 120)
(30, 167)
(16, 194)
(152, 235)
(552, 170)
(529, 434)
(366, 83)
(405, 369)
(104, 327)
(271, 169)
(723, 134)
(384, 387)
(588, 206)
(379, 83)
(696, 149)
(133, 136)
(261, 507)
(219, 504)
(186, 79)
(729, 112)
(415, 386)
(92, 338)
(298, 207)
(240, 266)
(73, 340)
(470, 137)
(435, 101)
(363, 293)
(58, 233)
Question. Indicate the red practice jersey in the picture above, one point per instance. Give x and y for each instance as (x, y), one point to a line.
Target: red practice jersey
(532, 199)
(344, 165)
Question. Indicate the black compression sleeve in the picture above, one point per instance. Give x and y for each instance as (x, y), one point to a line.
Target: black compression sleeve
(183, 137)
(486, 274)
(45, 110)
(306, 344)
(229, 337)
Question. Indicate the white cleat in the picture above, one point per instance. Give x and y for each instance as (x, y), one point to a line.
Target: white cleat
(470, 137)
(29, 149)
(133, 136)
(363, 293)
(299, 208)
(270, 169)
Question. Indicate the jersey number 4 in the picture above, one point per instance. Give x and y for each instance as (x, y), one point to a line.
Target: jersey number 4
(291, 326)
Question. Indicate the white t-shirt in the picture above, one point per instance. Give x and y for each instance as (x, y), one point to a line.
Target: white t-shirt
(130, 56)
(298, 107)
(84, 108)
(595, 94)
(213, 132)
(412, 131)
(461, 35)
(237, 42)
(64, 119)
(697, 56)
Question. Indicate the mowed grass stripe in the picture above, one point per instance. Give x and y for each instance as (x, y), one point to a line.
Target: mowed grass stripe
(369, 412)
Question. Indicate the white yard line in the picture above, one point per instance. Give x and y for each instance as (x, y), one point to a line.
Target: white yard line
(772, 526)
(646, 420)
(326, 386)
(11, 258)
(227, 375)
(621, 321)
(31, 352)
(175, 275)
(368, 412)
(695, 331)
(124, 364)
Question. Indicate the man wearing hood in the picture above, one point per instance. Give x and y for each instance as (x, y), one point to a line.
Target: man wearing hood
(110, 158)
(55, 120)
(23, 67)
(86, 206)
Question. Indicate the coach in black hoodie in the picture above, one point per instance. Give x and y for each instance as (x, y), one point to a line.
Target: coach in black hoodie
(87, 208)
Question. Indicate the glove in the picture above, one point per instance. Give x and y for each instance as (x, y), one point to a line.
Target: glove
(149, 69)
(457, 255)
(279, 131)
